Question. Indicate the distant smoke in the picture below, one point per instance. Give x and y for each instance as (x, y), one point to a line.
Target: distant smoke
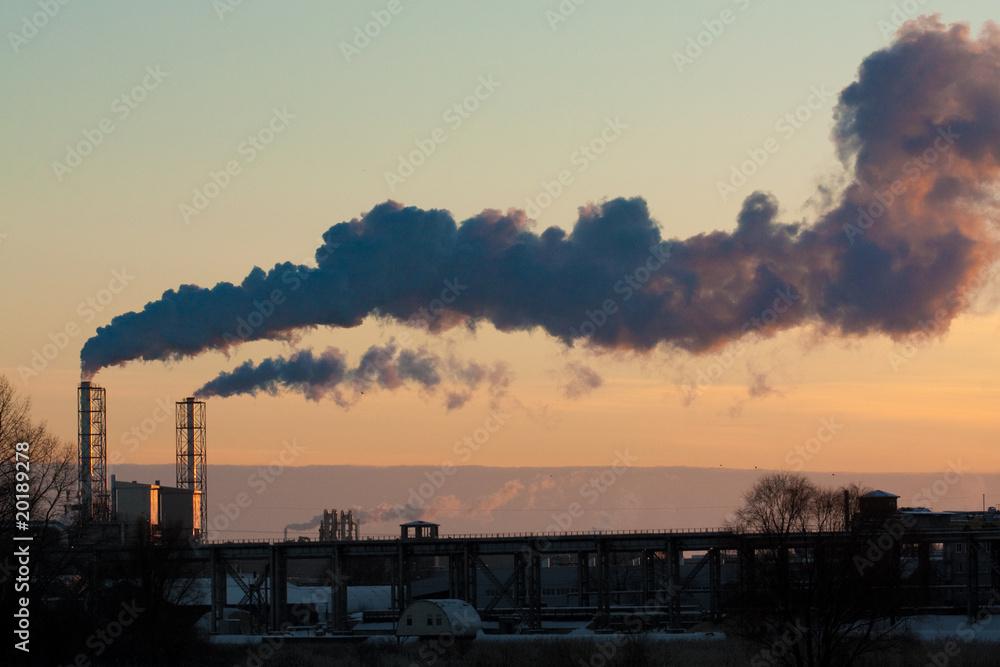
(441, 506)
(895, 254)
(538, 486)
(759, 387)
(386, 513)
(381, 367)
(448, 505)
(312, 523)
(484, 508)
(579, 380)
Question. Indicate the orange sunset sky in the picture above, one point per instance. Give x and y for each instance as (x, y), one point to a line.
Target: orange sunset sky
(176, 95)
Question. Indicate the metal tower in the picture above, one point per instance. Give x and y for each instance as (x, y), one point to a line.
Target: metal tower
(190, 420)
(93, 462)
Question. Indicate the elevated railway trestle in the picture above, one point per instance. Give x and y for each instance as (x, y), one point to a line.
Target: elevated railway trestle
(664, 591)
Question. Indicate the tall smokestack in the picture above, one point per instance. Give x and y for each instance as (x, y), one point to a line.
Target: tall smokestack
(190, 421)
(192, 473)
(85, 472)
(93, 464)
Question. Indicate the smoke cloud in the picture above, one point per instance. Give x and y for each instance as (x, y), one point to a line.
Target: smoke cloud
(441, 505)
(381, 367)
(895, 252)
(312, 523)
(386, 513)
(579, 380)
(485, 507)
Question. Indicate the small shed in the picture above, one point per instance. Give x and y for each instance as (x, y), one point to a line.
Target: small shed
(420, 529)
(877, 504)
(432, 618)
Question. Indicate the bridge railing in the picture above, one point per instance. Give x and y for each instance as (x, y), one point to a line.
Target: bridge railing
(581, 533)
(484, 536)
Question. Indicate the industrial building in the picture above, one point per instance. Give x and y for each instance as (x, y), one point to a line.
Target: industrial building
(433, 618)
(342, 583)
(137, 509)
(142, 510)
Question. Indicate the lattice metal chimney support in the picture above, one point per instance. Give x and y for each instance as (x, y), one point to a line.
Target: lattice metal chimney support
(191, 454)
(92, 471)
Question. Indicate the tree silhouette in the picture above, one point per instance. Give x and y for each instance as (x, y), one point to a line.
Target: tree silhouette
(804, 600)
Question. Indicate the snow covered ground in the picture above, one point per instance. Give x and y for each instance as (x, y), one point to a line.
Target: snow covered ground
(986, 628)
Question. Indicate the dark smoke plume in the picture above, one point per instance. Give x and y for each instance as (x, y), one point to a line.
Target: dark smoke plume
(895, 254)
(381, 367)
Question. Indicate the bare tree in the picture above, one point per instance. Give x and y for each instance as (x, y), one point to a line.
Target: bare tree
(89, 598)
(49, 463)
(624, 577)
(805, 602)
(43, 470)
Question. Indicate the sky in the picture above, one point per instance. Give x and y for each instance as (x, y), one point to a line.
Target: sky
(150, 146)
